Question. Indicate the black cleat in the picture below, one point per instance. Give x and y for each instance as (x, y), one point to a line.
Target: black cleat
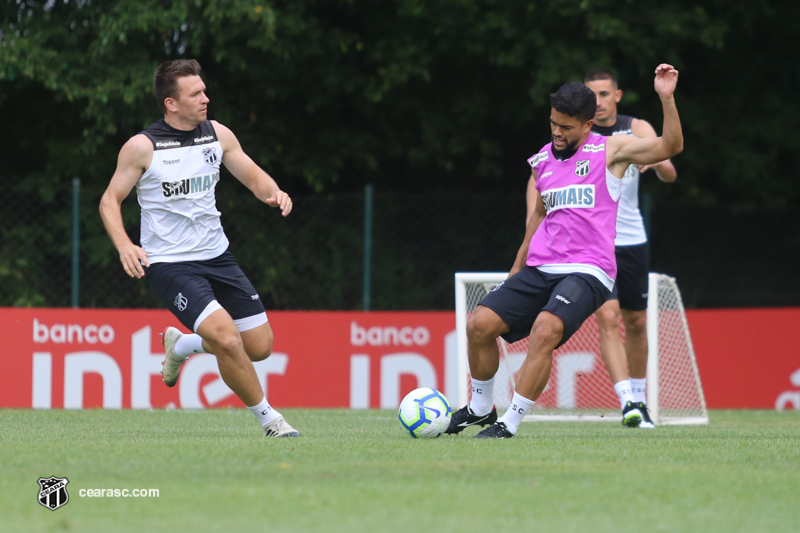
(631, 415)
(498, 430)
(647, 422)
(463, 418)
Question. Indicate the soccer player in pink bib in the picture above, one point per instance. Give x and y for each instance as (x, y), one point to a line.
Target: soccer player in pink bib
(565, 269)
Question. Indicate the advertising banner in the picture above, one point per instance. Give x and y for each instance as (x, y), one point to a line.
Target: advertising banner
(109, 358)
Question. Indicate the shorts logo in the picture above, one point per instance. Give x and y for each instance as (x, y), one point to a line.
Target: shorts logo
(582, 168)
(562, 299)
(181, 302)
(53, 492)
(254, 297)
(209, 155)
(498, 286)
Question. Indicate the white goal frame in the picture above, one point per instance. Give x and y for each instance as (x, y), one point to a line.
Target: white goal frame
(671, 362)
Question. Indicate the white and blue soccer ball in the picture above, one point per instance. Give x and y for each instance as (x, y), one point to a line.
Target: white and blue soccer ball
(425, 413)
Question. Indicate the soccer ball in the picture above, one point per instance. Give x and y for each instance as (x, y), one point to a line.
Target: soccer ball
(425, 413)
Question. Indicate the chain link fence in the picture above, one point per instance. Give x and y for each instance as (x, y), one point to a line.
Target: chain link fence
(315, 258)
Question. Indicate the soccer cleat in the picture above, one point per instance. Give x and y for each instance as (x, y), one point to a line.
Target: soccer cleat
(498, 430)
(172, 363)
(279, 428)
(464, 417)
(631, 416)
(647, 422)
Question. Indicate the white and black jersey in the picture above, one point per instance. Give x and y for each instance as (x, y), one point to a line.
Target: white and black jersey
(180, 220)
(630, 226)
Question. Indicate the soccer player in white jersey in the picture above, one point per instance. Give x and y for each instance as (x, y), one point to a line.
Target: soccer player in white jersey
(174, 165)
(629, 297)
(565, 268)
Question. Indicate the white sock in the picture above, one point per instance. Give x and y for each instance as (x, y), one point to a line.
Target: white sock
(482, 400)
(516, 412)
(189, 344)
(264, 412)
(638, 387)
(624, 393)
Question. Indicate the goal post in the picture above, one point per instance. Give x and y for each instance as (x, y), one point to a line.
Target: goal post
(580, 388)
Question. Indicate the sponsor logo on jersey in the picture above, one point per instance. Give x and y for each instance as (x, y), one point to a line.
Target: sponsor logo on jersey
(204, 138)
(582, 168)
(548, 173)
(573, 196)
(538, 158)
(622, 132)
(167, 144)
(210, 155)
(194, 186)
(594, 148)
(171, 161)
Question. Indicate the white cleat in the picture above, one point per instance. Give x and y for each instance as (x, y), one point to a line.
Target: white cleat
(280, 428)
(172, 363)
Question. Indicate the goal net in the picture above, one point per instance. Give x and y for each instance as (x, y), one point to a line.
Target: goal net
(580, 387)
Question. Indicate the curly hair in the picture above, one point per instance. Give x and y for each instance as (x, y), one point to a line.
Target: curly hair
(575, 100)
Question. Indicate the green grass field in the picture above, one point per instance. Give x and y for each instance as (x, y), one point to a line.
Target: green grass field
(357, 471)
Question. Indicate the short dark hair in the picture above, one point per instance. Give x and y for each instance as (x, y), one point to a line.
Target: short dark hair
(601, 74)
(165, 80)
(575, 100)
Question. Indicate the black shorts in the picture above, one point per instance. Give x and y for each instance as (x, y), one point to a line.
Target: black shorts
(519, 300)
(189, 288)
(631, 285)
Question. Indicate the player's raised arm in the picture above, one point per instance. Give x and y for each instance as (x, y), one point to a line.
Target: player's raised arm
(133, 160)
(625, 150)
(249, 173)
(665, 170)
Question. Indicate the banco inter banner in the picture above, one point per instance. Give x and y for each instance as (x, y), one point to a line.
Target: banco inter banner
(76, 359)
(110, 358)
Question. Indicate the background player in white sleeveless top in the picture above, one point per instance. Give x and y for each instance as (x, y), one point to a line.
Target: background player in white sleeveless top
(534, 295)
(630, 296)
(174, 165)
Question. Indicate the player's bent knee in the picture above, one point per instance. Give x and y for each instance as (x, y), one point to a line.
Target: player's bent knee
(548, 329)
(483, 326)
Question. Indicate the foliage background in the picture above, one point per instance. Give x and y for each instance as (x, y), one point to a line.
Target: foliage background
(436, 104)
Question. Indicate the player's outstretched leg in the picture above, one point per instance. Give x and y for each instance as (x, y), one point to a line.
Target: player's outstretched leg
(464, 418)
(631, 415)
(172, 362)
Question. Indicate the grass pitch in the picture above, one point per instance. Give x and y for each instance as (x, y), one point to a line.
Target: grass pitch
(357, 471)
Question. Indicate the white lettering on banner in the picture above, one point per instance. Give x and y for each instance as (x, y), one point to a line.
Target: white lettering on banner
(790, 399)
(77, 365)
(72, 333)
(144, 365)
(359, 381)
(570, 365)
(395, 365)
(389, 336)
(202, 365)
(42, 380)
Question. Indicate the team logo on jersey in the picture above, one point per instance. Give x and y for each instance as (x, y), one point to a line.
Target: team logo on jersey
(53, 492)
(594, 148)
(538, 158)
(573, 196)
(209, 155)
(181, 302)
(194, 186)
(582, 168)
